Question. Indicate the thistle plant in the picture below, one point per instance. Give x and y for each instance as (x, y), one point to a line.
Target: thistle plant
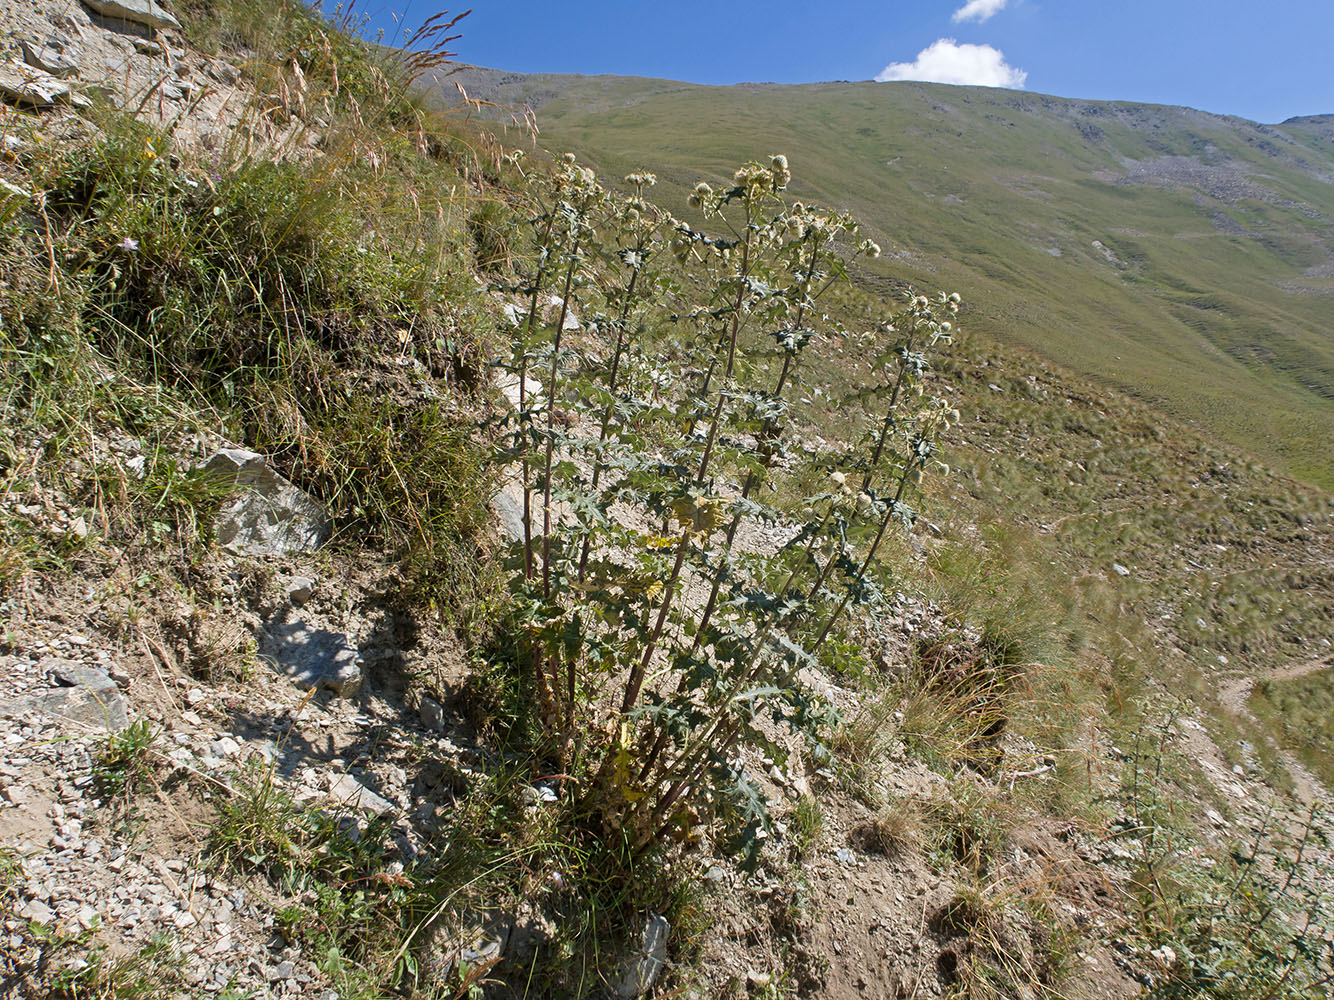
(661, 650)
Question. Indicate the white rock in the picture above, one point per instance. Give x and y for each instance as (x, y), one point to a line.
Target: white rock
(270, 516)
(346, 790)
(225, 746)
(144, 12)
(643, 968)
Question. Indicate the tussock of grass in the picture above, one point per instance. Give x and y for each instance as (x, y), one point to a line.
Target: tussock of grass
(311, 304)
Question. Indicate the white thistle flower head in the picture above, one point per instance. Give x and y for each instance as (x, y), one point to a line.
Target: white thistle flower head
(871, 248)
(703, 190)
(741, 176)
(780, 162)
(946, 327)
(838, 478)
(568, 157)
(954, 297)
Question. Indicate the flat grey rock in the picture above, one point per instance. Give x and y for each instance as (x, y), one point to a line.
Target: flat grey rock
(348, 791)
(144, 12)
(270, 516)
(31, 87)
(68, 673)
(50, 60)
(313, 657)
(104, 707)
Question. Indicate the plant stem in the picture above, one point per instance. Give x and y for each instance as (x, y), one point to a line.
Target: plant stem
(890, 412)
(551, 421)
(861, 572)
(523, 394)
(607, 410)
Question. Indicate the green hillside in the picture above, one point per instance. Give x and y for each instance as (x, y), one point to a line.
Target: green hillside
(1184, 257)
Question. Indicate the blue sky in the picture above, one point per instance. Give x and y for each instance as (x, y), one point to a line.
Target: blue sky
(1265, 61)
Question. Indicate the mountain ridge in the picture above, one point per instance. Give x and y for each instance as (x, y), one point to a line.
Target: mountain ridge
(1183, 256)
(485, 78)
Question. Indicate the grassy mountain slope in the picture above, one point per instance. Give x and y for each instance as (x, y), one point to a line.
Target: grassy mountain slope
(1184, 257)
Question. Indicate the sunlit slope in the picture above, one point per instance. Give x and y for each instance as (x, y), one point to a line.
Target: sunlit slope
(1185, 257)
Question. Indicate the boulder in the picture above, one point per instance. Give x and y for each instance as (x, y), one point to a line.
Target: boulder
(270, 516)
(68, 673)
(144, 12)
(313, 657)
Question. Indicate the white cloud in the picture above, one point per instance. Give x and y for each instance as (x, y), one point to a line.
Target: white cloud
(946, 61)
(979, 10)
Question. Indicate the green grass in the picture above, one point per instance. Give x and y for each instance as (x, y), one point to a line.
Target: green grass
(309, 306)
(970, 188)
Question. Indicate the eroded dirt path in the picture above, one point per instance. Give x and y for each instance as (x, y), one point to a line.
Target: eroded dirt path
(1237, 692)
(1235, 696)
